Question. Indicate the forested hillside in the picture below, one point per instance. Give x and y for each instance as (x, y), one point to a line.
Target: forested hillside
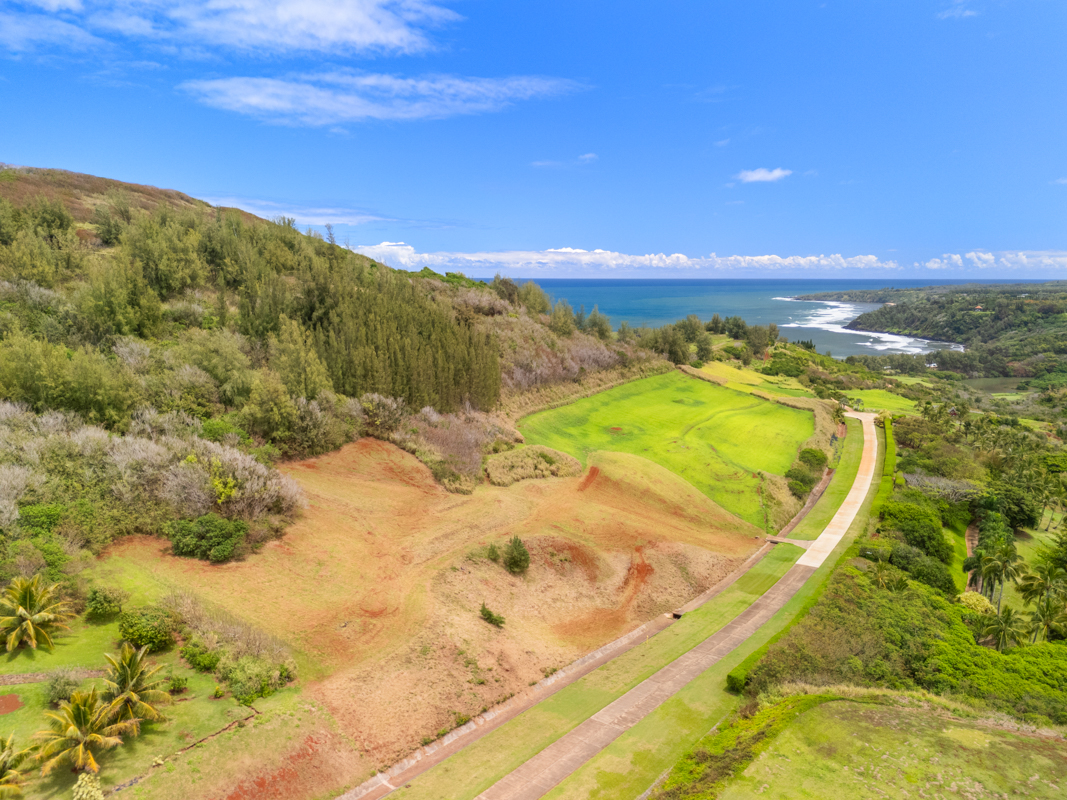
(1015, 330)
(159, 355)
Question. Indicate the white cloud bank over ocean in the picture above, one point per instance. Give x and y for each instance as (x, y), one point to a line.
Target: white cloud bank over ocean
(571, 262)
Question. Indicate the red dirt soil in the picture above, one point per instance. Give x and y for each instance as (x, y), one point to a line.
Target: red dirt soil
(9, 703)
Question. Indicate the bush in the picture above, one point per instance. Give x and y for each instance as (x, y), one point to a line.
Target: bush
(106, 601)
(492, 553)
(920, 523)
(976, 602)
(62, 683)
(88, 787)
(491, 618)
(813, 458)
(149, 627)
(177, 684)
(209, 537)
(535, 461)
(199, 657)
(516, 556)
(250, 677)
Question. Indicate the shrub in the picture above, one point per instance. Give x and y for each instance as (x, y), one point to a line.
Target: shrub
(976, 602)
(492, 553)
(491, 618)
(919, 522)
(250, 677)
(813, 458)
(88, 787)
(62, 683)
(177, 684)
(106, 601)
(210, 537)
(199, 657)
(150, 627)
(516, 556)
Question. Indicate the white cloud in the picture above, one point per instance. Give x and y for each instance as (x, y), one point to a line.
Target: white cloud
(763, 175)
(1060, 180)
(337, 97)
(21, 33)
(722, 143)
(569, 261)
(263, 26)
(587, 157)
(573, 262)
(958, 10)
(304, 215)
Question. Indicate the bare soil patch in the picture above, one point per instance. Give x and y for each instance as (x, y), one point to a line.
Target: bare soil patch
(378, 586)
(9, 703)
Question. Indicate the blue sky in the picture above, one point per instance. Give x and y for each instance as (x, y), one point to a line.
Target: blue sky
(577, 139)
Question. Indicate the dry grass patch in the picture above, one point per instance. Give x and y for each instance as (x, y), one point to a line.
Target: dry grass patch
(531, 462)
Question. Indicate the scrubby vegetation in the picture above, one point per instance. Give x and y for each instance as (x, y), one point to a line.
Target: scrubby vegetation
(530, 462)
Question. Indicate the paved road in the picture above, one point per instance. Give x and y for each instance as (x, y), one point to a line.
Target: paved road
(559, 760)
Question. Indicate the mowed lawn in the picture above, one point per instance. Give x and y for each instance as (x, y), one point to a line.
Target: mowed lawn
(847, 749)
(881, 400)
(713, 437)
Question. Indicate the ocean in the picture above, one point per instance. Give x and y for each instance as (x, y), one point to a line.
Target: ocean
(658, 302)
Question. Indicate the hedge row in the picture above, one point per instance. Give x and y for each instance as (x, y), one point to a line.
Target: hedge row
(889, 468)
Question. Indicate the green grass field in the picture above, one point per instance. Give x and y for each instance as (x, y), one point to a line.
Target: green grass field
(912, 380)
(849, 749)
(715, 438)
(881, 400)
(993, 384)
(630, 764)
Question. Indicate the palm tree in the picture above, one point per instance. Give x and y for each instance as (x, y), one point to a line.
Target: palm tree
(82, 724)
(1048, 615)
(1006, 628)
(132, 688)
(881, 574)
(1012, 567)
(10, 774)
(32, 612)
(991, 569)
(1041, 582)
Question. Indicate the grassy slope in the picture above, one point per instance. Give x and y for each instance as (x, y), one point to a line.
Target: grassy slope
(818, 518)
(713, 437)
(881, 400)
(847, 749)
(748, 381)
(629, 765)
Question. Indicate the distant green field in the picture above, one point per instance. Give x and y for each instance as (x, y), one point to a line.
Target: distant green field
(912, 380)
(847, 749)
(715, 438)
(881, 400)
(993, 384)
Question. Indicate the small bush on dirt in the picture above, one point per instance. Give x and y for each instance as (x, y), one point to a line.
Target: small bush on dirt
(492, 553)
(250, 677)
(516, 556)
(150, 627)
(491, 618)
(177, 684)
(210, 537)
(62, 683)
(105, 601)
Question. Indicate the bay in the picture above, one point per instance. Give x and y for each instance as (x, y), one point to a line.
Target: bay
(656, 302)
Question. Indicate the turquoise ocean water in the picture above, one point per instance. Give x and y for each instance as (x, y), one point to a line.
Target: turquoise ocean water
(758, 302)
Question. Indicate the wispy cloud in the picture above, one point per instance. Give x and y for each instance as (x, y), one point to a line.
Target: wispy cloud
(24, 32)
(304, 215)
(763, 175)
(337, 97)
(585, 158)
(257, 26)
(1060, 180)
(722, 143)
(1033, 262)
(958, 10)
